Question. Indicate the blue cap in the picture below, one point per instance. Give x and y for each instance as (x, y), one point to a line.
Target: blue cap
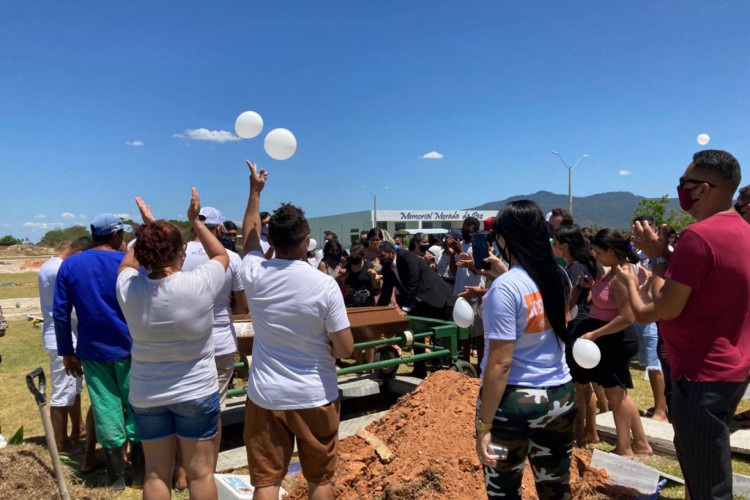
(106, 224)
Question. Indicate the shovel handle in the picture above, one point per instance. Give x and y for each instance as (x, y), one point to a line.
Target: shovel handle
(38, 392)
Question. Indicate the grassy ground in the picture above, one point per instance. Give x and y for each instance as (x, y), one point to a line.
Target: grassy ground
(26, 286)
(22, 352)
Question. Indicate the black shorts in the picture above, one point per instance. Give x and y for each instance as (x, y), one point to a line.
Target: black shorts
(617, 350)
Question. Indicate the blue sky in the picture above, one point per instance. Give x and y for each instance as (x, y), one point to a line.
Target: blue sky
(94, 97)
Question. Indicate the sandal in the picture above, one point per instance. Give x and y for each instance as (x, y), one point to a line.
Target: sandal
(647, 413)
(742, 420)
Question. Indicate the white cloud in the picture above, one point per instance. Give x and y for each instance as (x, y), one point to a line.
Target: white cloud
(81, 216)
(67, 215)
(624, 172)
(43, 225)
(432, 155)
(40, 216)
(6, 225)
(203, 134)
(123, 216)
(134, 143)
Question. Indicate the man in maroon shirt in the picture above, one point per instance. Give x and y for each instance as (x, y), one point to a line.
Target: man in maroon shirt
(701, 296)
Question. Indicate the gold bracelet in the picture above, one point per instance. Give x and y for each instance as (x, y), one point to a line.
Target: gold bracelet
(481, 426)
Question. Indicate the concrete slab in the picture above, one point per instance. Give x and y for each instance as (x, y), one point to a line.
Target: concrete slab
(237, 457)
(401, 384)
(740, 485)
(358, 387)
(661, 435)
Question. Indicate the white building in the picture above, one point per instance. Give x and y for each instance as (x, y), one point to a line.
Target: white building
(348, 226)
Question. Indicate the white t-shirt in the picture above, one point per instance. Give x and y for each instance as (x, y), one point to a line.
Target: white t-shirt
(225, 337)
(47, 279)
(294, 307)
(513, 310)
(170, 320)
(464, 277)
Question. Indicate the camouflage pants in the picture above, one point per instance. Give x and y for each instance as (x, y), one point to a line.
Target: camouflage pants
(537, 423)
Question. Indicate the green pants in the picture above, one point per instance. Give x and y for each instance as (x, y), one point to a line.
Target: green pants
(538, 424)
(109, 385)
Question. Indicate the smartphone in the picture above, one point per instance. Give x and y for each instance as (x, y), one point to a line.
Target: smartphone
(480, 250)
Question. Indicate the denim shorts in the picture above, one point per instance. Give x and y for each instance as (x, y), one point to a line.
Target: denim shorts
(647, 354)
(197, 419)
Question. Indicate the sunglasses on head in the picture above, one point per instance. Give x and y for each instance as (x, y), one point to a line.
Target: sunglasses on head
(688, 180)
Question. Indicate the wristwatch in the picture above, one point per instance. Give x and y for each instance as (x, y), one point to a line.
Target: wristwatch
(482, 427)
(656, 261)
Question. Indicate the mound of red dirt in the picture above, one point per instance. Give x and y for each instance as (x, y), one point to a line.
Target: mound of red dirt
(431, 434)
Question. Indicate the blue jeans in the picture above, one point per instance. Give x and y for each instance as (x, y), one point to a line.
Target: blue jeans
(197, 419)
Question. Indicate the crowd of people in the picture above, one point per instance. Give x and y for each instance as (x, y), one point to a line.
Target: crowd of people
(149, 329)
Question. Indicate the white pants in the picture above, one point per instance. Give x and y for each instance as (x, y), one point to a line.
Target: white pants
(64, 387)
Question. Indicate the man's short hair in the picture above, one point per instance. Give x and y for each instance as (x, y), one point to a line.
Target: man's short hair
(720, 163)
(567, 217)
(82, 244)
(644, 218)
(386, 246)
(288, 227)
(473, 222)
(331, 234)
(263, 215)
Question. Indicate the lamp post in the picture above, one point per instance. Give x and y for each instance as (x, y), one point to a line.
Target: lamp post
(570, 177)
(374, 205)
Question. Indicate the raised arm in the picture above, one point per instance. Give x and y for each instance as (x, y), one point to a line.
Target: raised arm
(211, 244)
(251, 222)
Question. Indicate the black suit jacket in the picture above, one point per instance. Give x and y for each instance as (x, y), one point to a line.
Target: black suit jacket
(415, 282)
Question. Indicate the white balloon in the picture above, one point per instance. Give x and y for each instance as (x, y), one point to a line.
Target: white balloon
(703, 139)
(573, 312)
(312, 245)
(280, 144)
(586, 353)
(463, 314)
(248, 125)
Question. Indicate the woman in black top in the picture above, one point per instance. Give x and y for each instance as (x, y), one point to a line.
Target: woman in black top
(361, 279)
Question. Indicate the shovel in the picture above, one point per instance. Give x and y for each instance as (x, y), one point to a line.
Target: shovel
(41, 401)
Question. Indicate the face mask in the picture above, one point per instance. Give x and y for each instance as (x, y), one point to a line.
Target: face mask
(386, 262)
(424, 247)
(229, 242)
(334, 256)
(466, 235)
(686, 201)
(356, 260)
(397, 247)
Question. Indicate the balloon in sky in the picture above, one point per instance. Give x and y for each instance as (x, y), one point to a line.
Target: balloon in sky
(280, 144)
(463, 314)
(586, 353)
(248, 125)
(312, 245)
(703, 139)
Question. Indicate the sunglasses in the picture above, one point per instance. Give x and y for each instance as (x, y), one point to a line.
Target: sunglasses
(688, 180)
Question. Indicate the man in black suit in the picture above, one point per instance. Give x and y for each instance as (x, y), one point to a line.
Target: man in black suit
(420, 291)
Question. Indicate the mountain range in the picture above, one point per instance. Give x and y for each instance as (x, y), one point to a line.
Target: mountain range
(613, 209)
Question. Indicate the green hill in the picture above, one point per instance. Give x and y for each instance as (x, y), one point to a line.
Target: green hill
(614, 209)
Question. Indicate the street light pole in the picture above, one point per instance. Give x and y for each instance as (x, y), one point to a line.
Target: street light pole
(570, 177)
(374, 205)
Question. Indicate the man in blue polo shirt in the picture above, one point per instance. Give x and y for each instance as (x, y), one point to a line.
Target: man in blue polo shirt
(86, 282)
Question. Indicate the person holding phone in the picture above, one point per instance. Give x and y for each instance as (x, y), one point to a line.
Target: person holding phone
(466, 277)
(526, 402)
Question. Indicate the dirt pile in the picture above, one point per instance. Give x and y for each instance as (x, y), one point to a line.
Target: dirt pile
(26, 472)
(26, 251)
(431, 433)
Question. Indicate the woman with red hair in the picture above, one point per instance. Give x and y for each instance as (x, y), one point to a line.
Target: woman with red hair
(174, 391)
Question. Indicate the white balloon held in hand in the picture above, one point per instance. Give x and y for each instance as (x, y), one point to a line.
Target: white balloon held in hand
(586, 353)
(312, 245)
(463, 314)
(703, 139)
(280, 144)
(248, 125)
